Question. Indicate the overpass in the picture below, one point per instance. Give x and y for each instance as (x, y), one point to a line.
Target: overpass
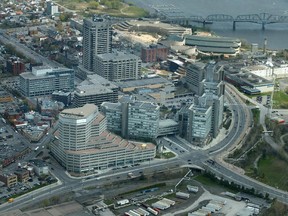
(262, 19)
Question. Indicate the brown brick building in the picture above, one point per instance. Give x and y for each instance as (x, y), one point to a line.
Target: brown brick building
(154, 53)
(15, 66)
(22, 175)
(8, 179)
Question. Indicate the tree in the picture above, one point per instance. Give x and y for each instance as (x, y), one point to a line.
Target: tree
(64, 17)
(93, 5)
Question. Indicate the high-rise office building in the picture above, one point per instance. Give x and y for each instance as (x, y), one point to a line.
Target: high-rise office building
(195, 73)
(51, 8)
(84, 145)
(118, 66)
(133, 119)
(143, 120)
(205, 116)
(199, 122)
(97, 39)
(213, 89)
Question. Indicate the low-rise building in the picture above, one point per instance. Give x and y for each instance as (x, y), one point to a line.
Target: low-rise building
(15, 66)
(214, 45)
(22, 175)
(168, 127)
(152, 83)
(62, 96)
(96, 90)
(40, 167)
(45, 80)
(154, 53)
(9, 180)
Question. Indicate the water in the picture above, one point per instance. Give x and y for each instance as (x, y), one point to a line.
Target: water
(276, 34)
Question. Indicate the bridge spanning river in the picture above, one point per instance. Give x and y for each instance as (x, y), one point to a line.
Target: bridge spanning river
(262, 18)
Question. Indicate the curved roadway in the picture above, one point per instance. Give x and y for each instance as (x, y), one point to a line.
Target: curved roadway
(186, 155)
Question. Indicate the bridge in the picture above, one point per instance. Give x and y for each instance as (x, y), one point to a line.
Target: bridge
(262, 18)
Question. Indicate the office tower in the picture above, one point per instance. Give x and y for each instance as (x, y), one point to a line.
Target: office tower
(199, 122)
(133, 119)
(97, 39)
(51, 8)
(195, 73)
(213, 89)
(118, 66)
(84, 145)
(143, 120)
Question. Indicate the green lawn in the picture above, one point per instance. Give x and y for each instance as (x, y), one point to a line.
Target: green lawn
(205, 180)
(273, 171)
(133, 11)
(166, 155)
(280, 100)
(125, 10)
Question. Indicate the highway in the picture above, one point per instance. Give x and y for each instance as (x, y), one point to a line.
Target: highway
(186, 155)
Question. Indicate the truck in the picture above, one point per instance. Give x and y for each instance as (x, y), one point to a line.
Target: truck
(143, 212)
(161, 205)
(133, 213)
(182, 195)
(168, 201)
(193, 189)
(122, 202)
(152, 211)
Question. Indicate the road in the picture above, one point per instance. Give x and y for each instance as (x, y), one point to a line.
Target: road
(6, 39)
(186, 155)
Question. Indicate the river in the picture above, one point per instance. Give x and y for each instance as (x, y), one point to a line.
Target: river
(276, 34)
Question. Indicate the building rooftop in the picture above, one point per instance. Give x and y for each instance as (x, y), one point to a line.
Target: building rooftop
(167, 123)
(38, 163)
(214, 39)
(80, 112)
(117, 56)
(145, 105)
(111, 105)
(95, 84)
(143, 82)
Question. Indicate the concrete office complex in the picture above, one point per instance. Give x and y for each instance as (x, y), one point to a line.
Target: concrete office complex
(118, 66)
(95, 89)
(213, 90)
(133, 119)
(143, 119)
(45, 80)
(204, 118)
(194, 76)
(97, 39)
(85, 145)
(199, 123)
